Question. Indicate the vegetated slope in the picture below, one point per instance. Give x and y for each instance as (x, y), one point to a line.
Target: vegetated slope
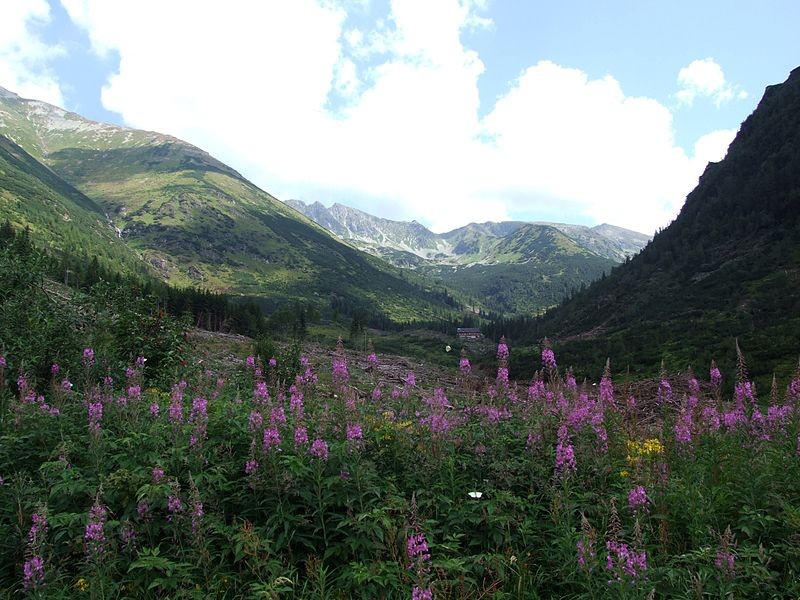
(32, 196)
(728, 266)
(512, 266)
(196, 221)
(528, 270)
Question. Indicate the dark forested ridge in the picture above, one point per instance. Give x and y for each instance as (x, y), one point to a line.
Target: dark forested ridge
(727, 267)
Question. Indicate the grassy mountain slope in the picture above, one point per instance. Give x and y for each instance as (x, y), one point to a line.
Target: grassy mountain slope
(57, 214)
(728, 266)
(528, 270)
(196, 221)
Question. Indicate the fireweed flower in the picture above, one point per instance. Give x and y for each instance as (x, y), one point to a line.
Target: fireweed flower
(55, 368)
(158, 474)
(355, 435)
(376, 393)
(250, 361)
(300, 436)
(625, 562)
(272, 439)
(372, 360)
(176, 403)
(94, 537)
(255, 421)
(417, 593)
(548, 356)
(607, 387)
(340, 374)
(33, 573)
(419, 556)
(198, 417)
(464, 366)
(411, 379)
(725, 560)
(95, 412)
(273, 363)
(33, 568)
(277, 416)
(637, 498)
(174, 504)
(88, 357)
(319, 449)
(683, 429)
(565, 459)
(502, 349)
(715, 375)
(296, 402)
(261, 393)
(251, 466)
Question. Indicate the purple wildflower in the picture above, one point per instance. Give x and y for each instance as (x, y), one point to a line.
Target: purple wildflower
(94, 537)
(128, 536)
(95, 408)
(683, 429)
(502, 349)
(88, 357)
(272, 439)
(197, 515)
(354, 433)
(174, 505)
(464, 366)
(714, 373)
(548, 358)
(277, 416)
(637, 498)
(300, 436)
(251, 466)
(417, 593)
(176, 403)
(565, 459)
(418, 552)
(33, 573)
(319, 449)
(624, 561)
(158, 474)
(198, 417)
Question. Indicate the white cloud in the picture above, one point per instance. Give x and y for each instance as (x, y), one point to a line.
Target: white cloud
(704, 78)
(387, 117)
(23, 55)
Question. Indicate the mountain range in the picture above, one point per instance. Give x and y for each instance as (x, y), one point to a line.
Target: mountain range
(171, 209)
(511, 266)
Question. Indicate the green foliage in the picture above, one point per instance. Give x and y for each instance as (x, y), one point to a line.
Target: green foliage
(287, 357)
(36, 328)
(129, 324)
(185, 519)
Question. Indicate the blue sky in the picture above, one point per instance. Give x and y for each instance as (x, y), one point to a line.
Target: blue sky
(444, 111)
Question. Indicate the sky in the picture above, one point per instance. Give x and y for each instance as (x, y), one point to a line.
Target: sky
(443, 111)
